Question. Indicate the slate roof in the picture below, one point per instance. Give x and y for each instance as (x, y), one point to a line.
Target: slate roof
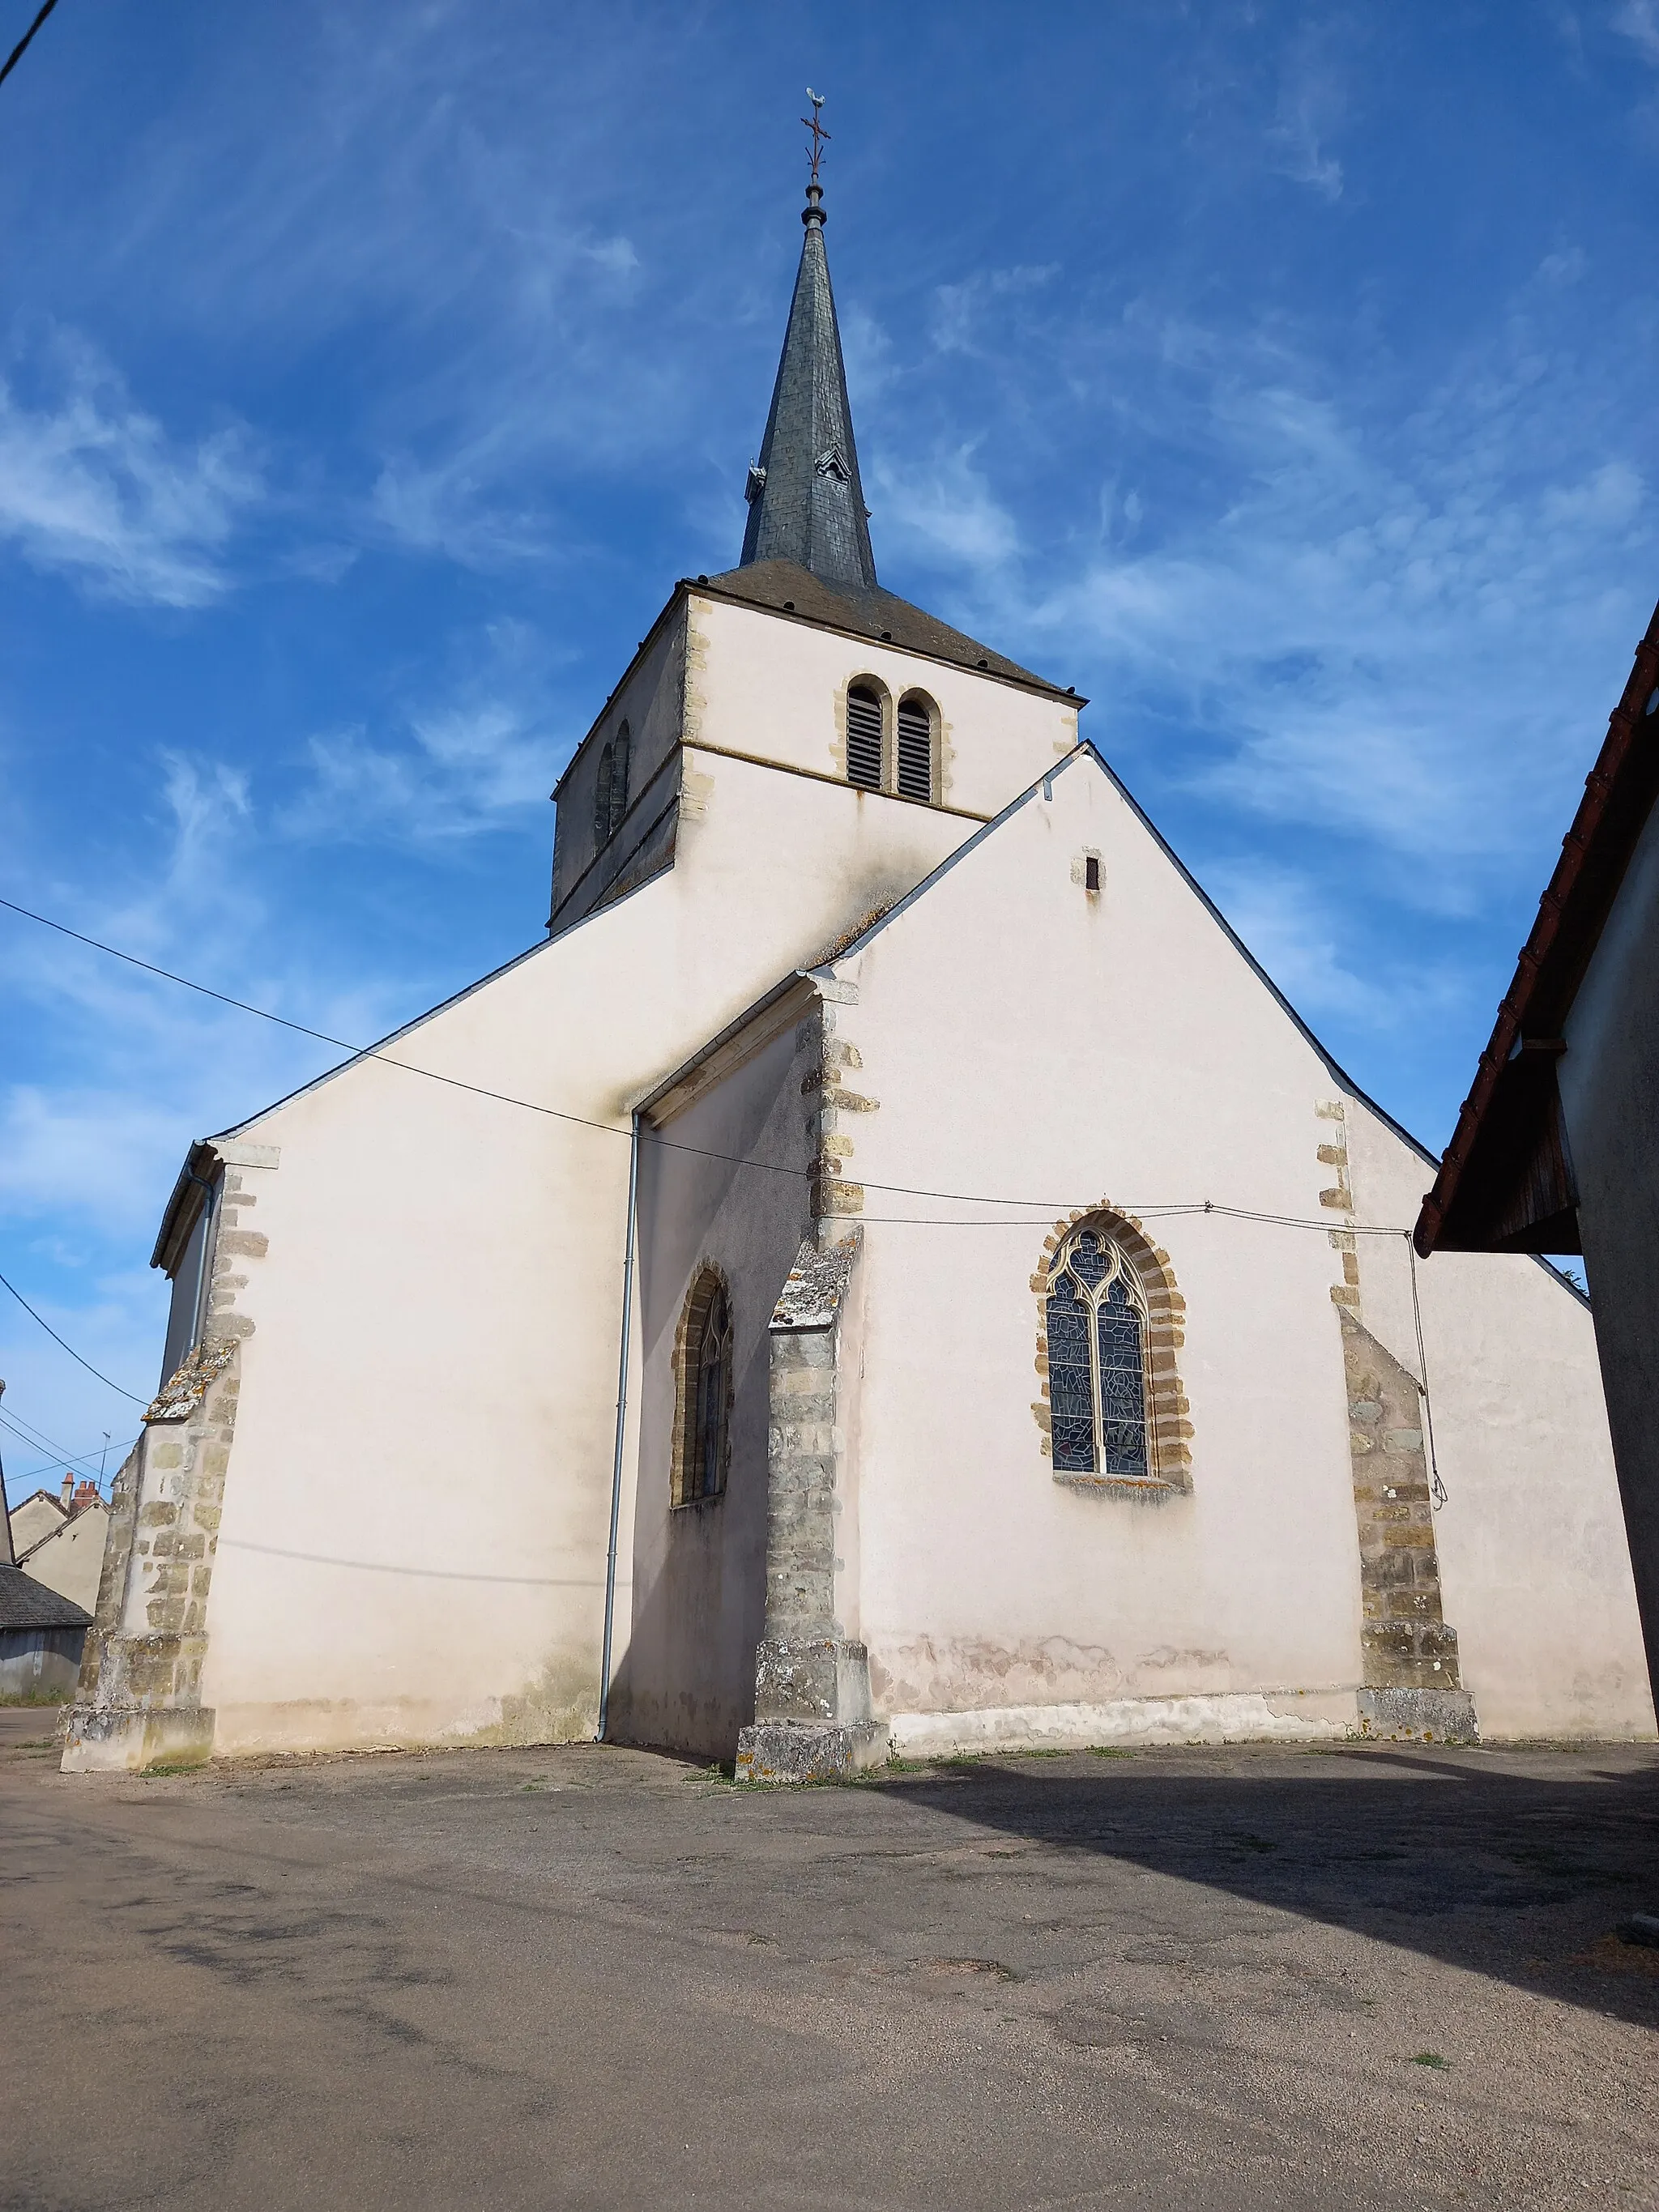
(805, 501)
(806, 547)
(25, 1603)
(786, 587)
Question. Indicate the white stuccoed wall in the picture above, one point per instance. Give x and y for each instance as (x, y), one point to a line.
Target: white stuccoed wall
(436, 1310)
(1024, 1039)
(687, 1674)
(1535, 1565)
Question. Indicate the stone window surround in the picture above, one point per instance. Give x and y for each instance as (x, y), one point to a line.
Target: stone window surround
(706, 1277)
(1169, 1429)
(912, 696)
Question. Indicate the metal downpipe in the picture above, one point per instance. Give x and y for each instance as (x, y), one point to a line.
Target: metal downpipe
(621, 1425)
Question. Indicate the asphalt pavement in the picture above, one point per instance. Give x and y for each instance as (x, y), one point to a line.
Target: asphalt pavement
(595, 1978)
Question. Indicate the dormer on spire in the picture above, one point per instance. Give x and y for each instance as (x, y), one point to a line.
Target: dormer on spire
(806, 502)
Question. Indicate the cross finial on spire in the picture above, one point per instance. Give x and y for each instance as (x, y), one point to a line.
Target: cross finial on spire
(815, 124)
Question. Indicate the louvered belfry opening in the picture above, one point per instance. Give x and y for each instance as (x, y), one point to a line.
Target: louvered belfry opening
(864, 738)
(915, 750)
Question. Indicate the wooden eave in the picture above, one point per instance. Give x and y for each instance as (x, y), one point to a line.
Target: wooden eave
(1506, 1154)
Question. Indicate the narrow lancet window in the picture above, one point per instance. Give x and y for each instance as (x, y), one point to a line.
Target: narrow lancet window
(1096, 1316)
(864, 738)
(915, 750)
(705, 1392)
(619, 752)
(602, 799)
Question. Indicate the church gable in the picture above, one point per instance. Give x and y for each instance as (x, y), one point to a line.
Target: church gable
(1088, 984)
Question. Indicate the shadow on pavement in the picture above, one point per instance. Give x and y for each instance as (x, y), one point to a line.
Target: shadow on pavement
(1466, 1857)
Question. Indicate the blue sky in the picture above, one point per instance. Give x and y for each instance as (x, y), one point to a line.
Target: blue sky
(1282, 377)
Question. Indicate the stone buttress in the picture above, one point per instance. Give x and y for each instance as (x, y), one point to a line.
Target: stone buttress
(139, 1700)
(812, 1719)
(1410, 1685)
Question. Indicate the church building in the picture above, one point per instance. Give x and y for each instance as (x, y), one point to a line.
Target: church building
(888, 1273)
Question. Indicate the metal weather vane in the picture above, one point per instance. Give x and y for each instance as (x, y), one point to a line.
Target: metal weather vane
(814, 123)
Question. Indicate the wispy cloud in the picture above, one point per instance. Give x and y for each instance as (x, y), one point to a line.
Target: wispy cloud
(67, 1152)
(1290, 923)
(451, 506)
(1639, 21)
(959, 308)
(616, 254)
(480, 754)
(944, 512)
(92, 485)
(1311, 102)
(1341, 600)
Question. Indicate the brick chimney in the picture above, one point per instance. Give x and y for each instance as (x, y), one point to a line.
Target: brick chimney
(86, 1493)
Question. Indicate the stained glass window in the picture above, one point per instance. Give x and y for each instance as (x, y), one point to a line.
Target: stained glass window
(705, 1385)
(1096, 1359)
(707, 1469)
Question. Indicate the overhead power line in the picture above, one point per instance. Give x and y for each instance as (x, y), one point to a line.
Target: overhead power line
(78, 1465)
(9, 1426)
(70, 1348)
(1047, 1207)
(22, 45)
(37, 1439)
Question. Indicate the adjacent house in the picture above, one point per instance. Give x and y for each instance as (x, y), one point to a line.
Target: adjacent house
(69, 1559)
(39, 1515)
(1557, 1147)
(41, 1639)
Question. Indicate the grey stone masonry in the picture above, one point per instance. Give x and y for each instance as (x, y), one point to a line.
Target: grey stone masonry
(812, 1719)
(1411, 1685)
(139, 1701)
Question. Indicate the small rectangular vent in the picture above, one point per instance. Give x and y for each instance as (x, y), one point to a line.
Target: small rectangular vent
(915, 752)
(864, 741)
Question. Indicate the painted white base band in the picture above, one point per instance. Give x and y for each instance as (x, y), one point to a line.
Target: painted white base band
(1234, 1717)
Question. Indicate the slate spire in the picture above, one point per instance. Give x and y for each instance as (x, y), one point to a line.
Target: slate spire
(806, 502)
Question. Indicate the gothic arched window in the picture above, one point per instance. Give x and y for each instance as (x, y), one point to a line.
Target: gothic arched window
(1096, 1332)
(864, 737)
(619, 752)
(916, 748)
(611, 788)
(702, 1440)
